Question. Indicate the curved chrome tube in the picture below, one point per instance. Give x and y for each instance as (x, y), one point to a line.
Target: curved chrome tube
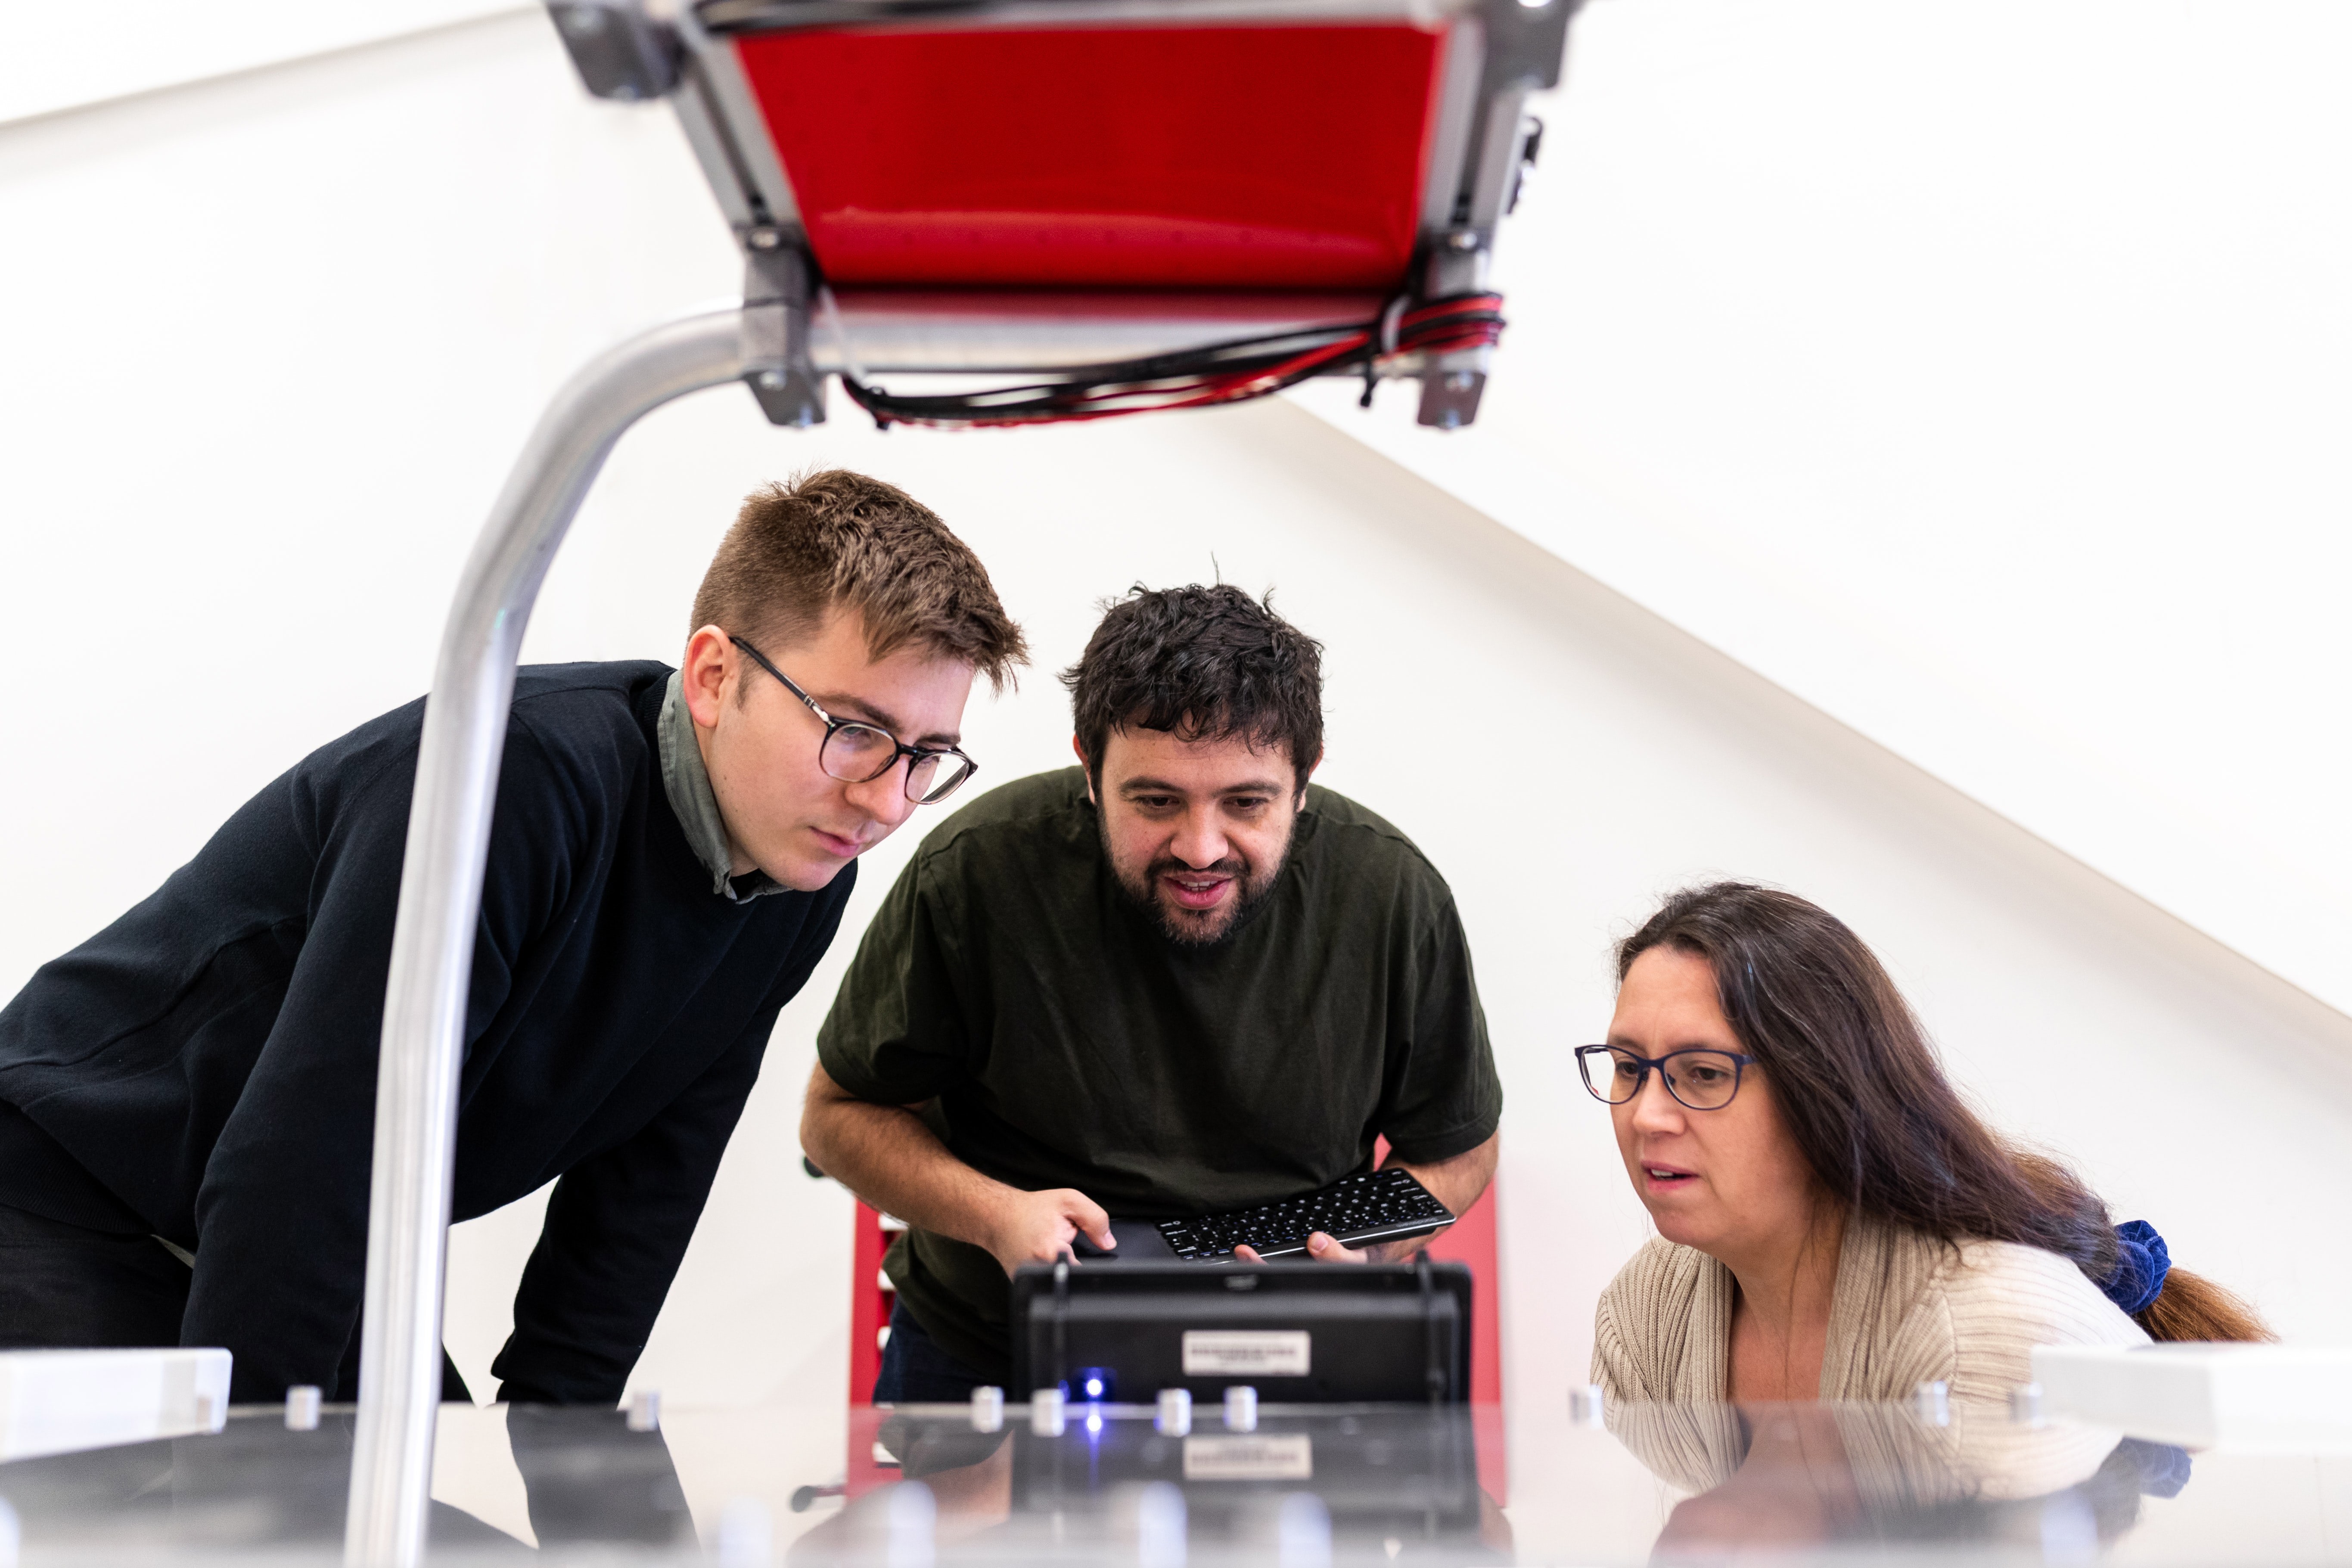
(440, 899)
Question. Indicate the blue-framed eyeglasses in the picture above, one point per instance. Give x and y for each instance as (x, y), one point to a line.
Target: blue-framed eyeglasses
(1700, 1077)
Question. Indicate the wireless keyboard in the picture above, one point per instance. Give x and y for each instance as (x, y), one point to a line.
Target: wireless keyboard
(1381, 1205)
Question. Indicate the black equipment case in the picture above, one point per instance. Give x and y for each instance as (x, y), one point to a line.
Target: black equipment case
(1299, 1333)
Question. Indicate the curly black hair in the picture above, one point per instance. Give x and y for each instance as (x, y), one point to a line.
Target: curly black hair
(1203, 663)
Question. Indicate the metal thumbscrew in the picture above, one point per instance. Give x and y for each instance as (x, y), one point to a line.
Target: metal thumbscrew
(645, 1410)
(988, 1409)
(1241, 1408)
(1933, 1401)
(302, 1407)
(1586, 1405)
(1174, 1417)
(2025, 1405)
(1045, 1413)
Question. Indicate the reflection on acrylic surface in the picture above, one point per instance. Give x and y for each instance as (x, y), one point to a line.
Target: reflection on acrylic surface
(1296, 1486)
(1780, 1478)
(1304, 1486)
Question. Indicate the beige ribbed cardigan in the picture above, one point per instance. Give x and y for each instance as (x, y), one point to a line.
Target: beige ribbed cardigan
(1907, 1309)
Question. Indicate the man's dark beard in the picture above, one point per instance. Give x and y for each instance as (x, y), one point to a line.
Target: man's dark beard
(1249, 894)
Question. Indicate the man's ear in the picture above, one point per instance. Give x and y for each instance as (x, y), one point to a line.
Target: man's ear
(709, 670)
(1301, 802)
(1085, 767)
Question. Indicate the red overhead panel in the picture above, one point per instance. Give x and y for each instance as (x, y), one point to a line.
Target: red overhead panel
(1267, 157)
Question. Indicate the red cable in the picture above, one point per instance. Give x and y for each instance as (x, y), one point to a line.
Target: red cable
(1442, 326)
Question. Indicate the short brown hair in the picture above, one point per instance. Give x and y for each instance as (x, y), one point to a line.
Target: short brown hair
(834, 537)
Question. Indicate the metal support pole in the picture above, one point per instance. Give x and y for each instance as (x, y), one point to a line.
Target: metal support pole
(440, 898)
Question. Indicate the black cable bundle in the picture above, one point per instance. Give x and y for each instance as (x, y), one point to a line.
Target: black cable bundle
(1198, 378)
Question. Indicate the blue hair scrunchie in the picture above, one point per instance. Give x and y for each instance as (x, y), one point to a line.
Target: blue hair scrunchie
(2141, 1263)
(2162, 1468)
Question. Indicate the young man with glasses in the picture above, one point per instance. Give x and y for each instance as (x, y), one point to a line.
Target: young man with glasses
(186, 1100)
(1174, 978)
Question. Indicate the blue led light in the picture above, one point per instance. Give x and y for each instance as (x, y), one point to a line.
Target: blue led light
(1094, 1388)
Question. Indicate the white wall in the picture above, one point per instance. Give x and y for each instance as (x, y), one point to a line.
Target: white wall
(272, 343)
(64, 57)
(1978, 372)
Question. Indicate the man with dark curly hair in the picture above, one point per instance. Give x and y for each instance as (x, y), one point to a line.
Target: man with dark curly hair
(1174, 978)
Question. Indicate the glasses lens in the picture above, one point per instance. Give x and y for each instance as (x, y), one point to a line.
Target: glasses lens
(855, 752)
(935, 776)
(1609, 1074)
(1702, 1079)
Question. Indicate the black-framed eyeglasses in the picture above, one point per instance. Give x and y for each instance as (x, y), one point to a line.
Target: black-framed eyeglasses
(857, 753)
(1700, 1077)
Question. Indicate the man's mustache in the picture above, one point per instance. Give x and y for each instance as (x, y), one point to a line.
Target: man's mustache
(1169, 866)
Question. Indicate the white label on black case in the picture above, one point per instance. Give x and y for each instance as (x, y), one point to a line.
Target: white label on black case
(1246, 1353)
(1275, 1456)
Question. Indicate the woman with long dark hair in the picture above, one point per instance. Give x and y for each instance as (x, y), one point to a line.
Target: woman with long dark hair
(1834, 1221)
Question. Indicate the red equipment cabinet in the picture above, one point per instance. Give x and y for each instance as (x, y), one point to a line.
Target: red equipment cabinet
(870, 1298)
(1060, 187)
(1255, 156)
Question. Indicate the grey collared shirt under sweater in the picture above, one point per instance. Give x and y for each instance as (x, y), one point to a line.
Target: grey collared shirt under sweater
(688, 783)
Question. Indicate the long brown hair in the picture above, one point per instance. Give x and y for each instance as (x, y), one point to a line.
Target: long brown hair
(1868, 1104)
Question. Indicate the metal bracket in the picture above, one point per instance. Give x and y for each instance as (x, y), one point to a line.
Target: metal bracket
(1452, 384)
(619, 51)
(777, 283)
(1450, 390)
(1523, 47)
(1525, 43)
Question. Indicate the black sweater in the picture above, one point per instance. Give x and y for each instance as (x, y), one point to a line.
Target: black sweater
(205, 1067)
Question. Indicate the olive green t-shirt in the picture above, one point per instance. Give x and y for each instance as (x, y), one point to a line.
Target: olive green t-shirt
(1063, 1041)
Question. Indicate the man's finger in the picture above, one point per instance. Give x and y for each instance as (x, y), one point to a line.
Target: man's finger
(1323, 1249)
(1246, 1253)
(1089, 1216)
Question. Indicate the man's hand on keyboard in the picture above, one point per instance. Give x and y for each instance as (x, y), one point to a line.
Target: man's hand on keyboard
(1320, 1247)
(1038, 1228)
